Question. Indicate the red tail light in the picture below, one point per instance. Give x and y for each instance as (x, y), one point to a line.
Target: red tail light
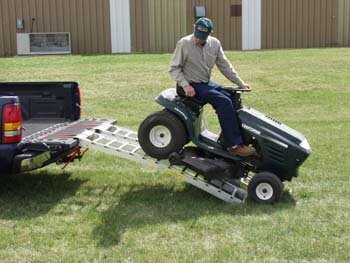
(12, 123)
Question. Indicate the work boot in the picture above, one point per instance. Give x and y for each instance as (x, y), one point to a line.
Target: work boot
(241, 150)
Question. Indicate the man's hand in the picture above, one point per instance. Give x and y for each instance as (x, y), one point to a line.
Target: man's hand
(245, 86)
(189, 91)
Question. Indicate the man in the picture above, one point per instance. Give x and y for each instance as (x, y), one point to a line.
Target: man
(193, 59)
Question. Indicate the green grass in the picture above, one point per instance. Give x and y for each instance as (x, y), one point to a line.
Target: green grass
(105, 209)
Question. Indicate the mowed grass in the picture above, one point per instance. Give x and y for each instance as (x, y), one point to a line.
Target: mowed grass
(106, 209)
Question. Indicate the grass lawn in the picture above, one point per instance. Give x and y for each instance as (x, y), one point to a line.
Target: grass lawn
(105, 209)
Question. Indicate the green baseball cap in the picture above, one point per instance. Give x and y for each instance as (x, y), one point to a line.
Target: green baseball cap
(202, 28)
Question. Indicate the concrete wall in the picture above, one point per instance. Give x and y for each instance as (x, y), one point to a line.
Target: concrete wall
(120, 26)
(251, 25)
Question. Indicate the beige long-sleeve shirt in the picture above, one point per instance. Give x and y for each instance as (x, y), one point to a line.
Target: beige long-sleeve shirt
(194, 63)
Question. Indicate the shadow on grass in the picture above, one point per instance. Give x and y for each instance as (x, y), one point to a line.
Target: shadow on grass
(152, 205)
(32, 195)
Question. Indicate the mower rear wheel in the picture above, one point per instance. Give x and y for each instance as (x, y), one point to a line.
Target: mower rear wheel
(265, 188)
(161, 134)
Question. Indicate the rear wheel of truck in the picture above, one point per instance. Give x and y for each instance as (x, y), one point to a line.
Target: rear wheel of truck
(161, 134)
(265, 188)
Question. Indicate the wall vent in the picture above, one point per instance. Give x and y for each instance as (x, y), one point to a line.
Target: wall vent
(43, 43)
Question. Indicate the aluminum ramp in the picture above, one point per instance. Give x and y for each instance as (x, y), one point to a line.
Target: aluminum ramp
(122, 142)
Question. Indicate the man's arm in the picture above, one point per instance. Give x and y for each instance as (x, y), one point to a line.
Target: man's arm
(176, 72)
(176, 65)
(227, 69)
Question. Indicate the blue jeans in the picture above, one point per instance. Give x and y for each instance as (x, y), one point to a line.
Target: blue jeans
(213, 94)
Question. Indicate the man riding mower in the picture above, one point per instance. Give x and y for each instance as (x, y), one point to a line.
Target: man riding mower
(250, 143)
(280, 150)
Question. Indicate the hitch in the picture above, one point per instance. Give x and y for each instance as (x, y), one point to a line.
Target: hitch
(76, 154)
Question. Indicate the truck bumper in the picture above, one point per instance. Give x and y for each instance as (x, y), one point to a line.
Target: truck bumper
(7, 153)
(30, 161)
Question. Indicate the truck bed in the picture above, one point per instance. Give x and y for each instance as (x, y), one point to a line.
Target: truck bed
(33, 126)
(50, 121)
(44, 104)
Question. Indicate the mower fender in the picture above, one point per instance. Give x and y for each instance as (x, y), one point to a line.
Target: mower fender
(181, 112)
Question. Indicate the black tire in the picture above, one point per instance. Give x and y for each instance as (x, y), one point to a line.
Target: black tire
(161, 134)
(175, 159)
(265, 188)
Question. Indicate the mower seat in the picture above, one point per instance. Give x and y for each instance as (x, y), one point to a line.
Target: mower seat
(191, 102)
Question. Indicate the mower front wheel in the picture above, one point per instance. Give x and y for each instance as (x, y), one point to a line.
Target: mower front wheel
(265, 188)
(161, 134)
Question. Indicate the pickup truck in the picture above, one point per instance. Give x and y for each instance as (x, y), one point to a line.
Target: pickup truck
(39, 122)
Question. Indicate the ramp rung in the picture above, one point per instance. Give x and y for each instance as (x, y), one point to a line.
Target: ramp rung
(117, 131)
